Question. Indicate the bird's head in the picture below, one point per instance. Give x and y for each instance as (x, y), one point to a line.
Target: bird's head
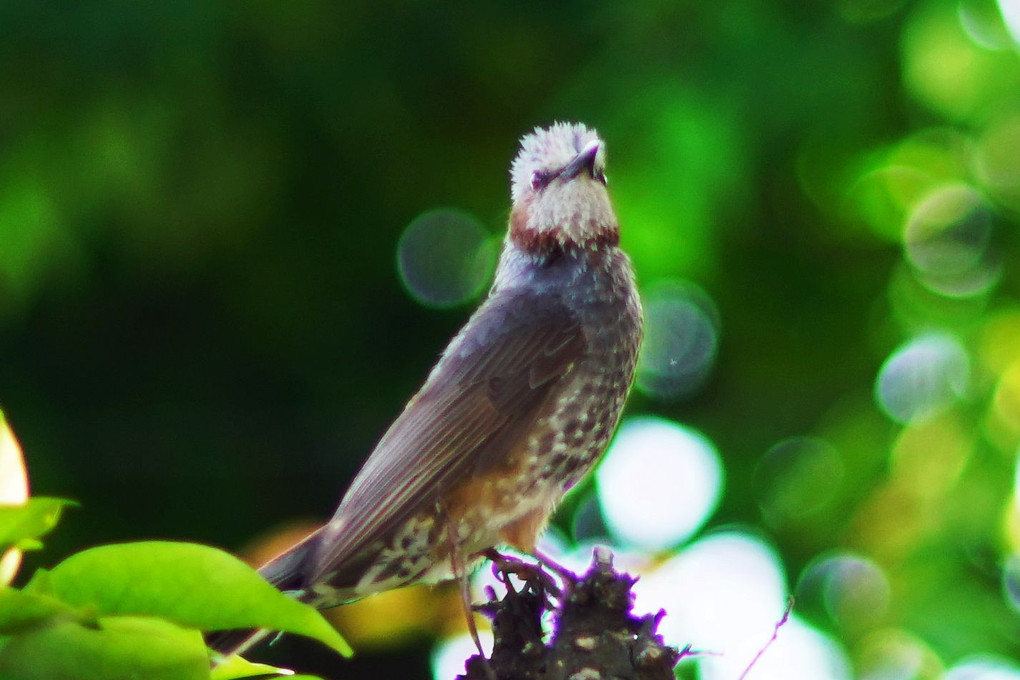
(559, 190)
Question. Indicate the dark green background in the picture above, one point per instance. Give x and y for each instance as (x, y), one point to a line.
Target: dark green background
(202, 329)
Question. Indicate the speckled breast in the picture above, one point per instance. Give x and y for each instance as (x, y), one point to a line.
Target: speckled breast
(513, 504)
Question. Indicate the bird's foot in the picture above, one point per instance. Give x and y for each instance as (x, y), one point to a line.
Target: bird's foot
(531, 573)
(567, 575)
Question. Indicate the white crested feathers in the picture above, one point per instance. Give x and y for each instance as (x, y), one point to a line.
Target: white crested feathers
(570, 210)
(550, 148)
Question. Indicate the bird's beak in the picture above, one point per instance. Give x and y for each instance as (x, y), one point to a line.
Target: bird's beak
(583, 161)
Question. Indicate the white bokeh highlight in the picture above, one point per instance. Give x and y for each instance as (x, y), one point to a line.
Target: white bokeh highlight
(1010, 10)
(724, 595)
(450, 655)
(984, 667)
(922, 378)
(659, 483)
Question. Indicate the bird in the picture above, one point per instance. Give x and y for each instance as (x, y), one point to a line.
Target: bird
(519, 407)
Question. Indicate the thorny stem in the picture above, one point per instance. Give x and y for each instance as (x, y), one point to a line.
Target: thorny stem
(775, 635)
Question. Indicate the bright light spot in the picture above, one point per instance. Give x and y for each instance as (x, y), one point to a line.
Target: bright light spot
(659, 483)
(1016, 484)
(942, 67)
(797, 477)
(13, 492)
(946, 240)
(1004, 415)
(894, 654)
(445, 258)
(922, 378)
(1011, 582)
(1010, 10)
(983, 24)
(996, 162)
(800, 652)
(929, 457)
(853, 589)
(681, 340)
(1000, 339)
(450, 655)
(984, 668)
(724, 595)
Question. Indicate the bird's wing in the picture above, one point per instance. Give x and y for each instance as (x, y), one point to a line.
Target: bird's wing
(479, 404)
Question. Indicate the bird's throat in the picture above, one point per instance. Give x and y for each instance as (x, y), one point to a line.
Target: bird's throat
(585, 235)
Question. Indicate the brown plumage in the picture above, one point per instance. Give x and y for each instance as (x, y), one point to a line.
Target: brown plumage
(520, 406)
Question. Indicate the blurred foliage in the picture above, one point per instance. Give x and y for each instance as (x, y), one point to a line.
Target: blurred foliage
(203, 329)
(129, 610)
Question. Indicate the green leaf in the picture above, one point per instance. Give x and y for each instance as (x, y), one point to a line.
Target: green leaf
(40, 583)
(21, 611)
(192, 585)
(236, 667)
(23, 525)
(118, 648)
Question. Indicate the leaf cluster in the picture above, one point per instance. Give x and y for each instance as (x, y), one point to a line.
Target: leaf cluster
(135, 610)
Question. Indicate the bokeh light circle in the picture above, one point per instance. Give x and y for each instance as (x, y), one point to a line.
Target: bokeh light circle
(796, 478)
(946, 241)
(659, 483)
(445, 257)
(983, 667)
(1010, 10)
(1011, 582)
(681, 340)
(982, 22)
(895, 654)
(724, 595)
(719, 593)
(922, 378)
(996, 161)
(852, 589)
(947, 232)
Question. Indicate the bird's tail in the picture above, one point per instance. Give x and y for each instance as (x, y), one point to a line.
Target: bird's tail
(286, 572)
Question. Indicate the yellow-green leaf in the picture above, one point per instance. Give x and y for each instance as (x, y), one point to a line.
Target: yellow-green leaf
(192, 585)
(118, 648)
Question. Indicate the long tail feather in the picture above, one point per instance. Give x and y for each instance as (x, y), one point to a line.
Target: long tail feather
(286, 572)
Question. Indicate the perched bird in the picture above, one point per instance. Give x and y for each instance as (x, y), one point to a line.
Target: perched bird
(519, 408)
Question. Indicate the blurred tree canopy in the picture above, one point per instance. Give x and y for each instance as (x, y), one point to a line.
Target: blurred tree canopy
(204, 329)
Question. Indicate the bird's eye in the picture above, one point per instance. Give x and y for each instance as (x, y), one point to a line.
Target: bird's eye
(539, 179)
(600, 176)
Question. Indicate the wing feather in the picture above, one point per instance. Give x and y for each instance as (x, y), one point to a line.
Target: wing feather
(478, 405)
